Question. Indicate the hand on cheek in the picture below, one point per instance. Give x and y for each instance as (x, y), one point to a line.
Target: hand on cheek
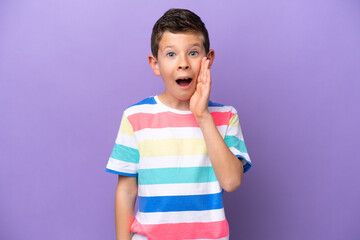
(200, 99)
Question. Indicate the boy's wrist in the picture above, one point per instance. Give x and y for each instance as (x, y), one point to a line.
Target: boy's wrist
(204, 118)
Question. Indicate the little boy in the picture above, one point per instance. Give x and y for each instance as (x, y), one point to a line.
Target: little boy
(177, 151)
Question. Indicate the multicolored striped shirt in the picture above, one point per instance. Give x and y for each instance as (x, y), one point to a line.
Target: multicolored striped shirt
(178, 193)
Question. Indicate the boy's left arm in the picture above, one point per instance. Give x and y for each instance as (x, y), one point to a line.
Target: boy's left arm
(227, 167)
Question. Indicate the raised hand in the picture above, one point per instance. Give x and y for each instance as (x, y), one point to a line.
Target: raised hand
(200, 99)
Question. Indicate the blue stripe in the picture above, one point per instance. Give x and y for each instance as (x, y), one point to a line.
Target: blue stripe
(232, 141)
(181, 203)
(213, 104)
(124, 153)
(121, 173)
(247, 164)
(176, 175)
(149, 100)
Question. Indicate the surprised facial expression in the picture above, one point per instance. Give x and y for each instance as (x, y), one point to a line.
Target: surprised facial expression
(178, 63)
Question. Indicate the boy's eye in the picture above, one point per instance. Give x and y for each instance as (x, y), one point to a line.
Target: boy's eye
(171, 54)
(193, 53)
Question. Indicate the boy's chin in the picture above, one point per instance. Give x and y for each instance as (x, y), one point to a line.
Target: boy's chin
(186, 97)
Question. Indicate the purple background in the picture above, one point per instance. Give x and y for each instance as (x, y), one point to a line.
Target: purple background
(69, 68)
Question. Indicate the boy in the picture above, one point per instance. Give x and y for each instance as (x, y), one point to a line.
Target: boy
(177, 151)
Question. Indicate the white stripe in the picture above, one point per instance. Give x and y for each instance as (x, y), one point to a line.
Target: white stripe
(174, 161)
(234, 131)
(144, 108)
(126, 140)
(237, 152)
(122, 166)
(158, 108)
(139, 237)
(174, 132)
(181, 217)
(179, 189)
(220, 109)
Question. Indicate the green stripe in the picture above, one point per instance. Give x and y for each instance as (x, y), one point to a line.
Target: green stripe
(232, 141)
(124, 153)
(176, 175)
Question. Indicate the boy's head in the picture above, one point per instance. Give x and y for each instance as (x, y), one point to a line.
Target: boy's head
(179, 42)
(178, 21)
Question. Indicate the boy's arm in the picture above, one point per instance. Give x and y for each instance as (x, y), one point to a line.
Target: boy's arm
(125, 198)
(227, 167)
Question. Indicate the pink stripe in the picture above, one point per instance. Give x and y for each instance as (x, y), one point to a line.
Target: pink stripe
(168, 119)
(180, 231)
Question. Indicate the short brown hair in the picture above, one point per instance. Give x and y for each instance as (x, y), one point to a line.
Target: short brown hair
(177, 20)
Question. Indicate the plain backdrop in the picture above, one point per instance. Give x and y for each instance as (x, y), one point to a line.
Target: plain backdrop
(291, 68)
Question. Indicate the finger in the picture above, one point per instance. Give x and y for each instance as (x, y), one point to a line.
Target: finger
(207, 63)
(206, 67)
(200, 72)
(204, 70)
(208, 76)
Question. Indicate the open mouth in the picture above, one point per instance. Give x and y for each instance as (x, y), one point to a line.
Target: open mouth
(184, 82)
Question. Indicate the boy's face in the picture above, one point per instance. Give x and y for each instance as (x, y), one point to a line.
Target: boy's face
(178, 63)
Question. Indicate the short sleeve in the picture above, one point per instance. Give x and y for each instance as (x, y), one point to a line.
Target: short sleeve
(124, 159)
(235, 141)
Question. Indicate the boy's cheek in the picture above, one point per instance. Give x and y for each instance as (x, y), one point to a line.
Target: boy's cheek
(197, 74)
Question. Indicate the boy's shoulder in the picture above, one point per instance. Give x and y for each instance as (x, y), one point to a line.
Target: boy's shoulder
(219, 107)
(149, 100)
(145, 105)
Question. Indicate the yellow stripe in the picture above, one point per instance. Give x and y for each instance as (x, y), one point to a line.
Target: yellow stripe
(234, 121)
(172, 146)
(125, 127)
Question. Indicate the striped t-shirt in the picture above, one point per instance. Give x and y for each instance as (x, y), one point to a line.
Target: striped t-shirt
(178, 193)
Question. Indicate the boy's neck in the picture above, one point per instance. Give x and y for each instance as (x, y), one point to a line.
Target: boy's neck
(182, 105)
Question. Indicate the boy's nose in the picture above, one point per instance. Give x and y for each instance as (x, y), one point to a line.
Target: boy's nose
(183, 63)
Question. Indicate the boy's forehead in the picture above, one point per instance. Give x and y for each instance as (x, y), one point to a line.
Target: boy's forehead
(170, 39)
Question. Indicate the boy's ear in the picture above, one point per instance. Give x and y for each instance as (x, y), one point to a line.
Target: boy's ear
(211, 56)
(154, 64)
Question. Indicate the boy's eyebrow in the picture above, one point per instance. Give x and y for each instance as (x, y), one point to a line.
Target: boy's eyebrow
(197, 45)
